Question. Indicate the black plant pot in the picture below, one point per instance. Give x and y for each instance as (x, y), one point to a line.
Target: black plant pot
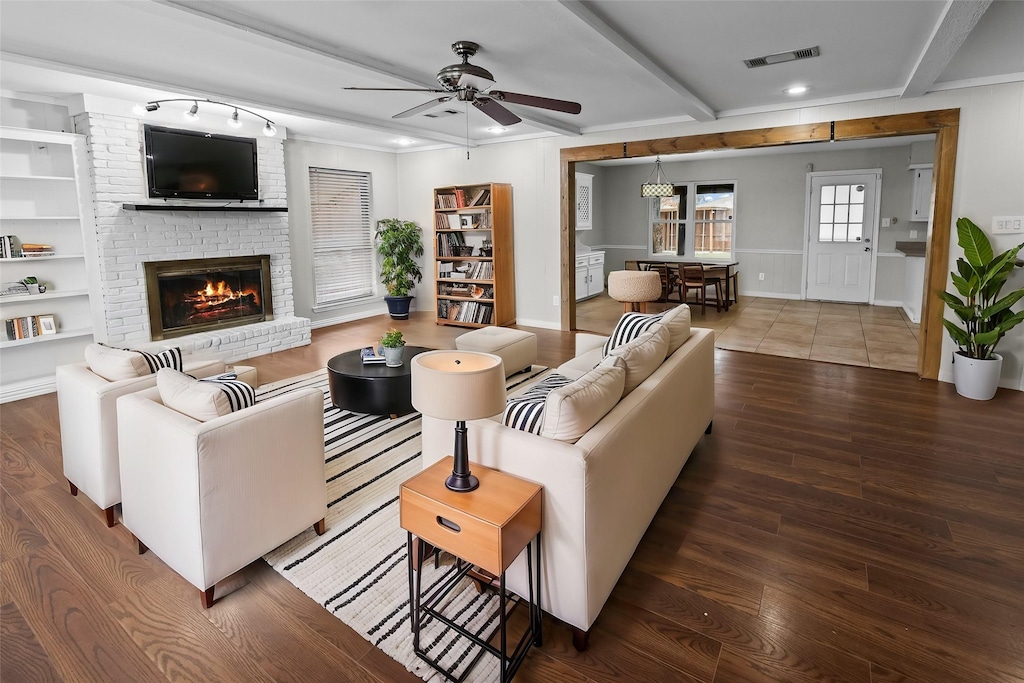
(398, 306)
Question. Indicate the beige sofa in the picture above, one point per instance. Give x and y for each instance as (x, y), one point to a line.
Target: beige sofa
(601, 492)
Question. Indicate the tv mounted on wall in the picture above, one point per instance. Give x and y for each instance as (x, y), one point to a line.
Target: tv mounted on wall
(193, 165)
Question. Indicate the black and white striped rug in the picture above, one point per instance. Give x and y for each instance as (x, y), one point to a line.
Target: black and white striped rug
(358, 570)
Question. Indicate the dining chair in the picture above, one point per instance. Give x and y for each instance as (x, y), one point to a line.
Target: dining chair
(632, 265)
(695, 277)
(722, 272)
(669, 280)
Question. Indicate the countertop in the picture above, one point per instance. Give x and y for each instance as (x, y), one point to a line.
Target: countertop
(912, 248)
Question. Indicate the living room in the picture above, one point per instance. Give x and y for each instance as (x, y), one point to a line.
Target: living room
(988, 176)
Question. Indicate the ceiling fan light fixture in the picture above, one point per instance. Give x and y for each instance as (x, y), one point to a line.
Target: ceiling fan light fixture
(233, 120)
(661, 187)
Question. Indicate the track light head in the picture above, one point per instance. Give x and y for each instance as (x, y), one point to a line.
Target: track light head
(152, 106)
(269, 130)
(193, 113)
(233, 120)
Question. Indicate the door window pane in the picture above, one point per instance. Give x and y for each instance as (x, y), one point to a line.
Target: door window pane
(841, 215)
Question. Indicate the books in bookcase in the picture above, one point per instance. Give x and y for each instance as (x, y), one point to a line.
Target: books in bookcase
(370, 355)
(30, 326)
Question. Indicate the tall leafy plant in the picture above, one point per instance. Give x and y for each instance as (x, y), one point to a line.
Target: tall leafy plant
(397, 243)
(979, 279)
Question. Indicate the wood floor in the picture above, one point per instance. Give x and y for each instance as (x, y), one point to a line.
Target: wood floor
(840, 524)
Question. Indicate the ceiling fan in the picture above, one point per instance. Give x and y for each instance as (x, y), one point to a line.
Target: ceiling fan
(467, 82)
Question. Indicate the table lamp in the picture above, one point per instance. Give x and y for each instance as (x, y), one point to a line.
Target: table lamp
(460, 386)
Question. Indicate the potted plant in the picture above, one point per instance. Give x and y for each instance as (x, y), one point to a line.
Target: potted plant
(393, 344)
(397, 243)
(979, 279)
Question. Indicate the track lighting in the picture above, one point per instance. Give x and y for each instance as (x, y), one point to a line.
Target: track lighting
(270, 130)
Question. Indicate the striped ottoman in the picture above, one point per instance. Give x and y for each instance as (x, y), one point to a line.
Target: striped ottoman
(517, 349)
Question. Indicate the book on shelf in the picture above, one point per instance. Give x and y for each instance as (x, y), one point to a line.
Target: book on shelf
(369, 354)
(446, 201)
(460, 198)
(454, 223)
(22, 328)
(8, 246)
(477, 197)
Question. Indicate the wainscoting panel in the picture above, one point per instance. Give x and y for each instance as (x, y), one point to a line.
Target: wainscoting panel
(783, 272)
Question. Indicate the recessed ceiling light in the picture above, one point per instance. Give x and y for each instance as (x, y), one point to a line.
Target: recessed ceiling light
(497, 129)
(796, 90)
(404, 141)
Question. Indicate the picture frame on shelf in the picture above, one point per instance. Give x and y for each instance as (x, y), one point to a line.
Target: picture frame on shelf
(47, 324)
(466, 222)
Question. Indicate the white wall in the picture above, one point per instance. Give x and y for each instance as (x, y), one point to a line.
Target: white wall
(989, 177)
(299, 157)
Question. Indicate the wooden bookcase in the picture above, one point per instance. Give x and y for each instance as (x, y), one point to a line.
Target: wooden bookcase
(472, 289)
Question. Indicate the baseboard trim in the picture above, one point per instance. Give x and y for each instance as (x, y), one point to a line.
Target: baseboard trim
(15, 391)
(886, 302)
(543, 324)
(771, 295)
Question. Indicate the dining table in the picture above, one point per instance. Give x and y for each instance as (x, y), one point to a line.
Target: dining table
(721, 266)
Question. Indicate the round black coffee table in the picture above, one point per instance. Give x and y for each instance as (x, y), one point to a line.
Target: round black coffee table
(372, 388)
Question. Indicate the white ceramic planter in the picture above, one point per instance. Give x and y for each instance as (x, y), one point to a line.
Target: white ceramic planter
(977, 379)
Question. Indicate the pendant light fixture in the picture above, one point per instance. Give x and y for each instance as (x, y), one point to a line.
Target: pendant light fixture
(192, 114)
(661, 187)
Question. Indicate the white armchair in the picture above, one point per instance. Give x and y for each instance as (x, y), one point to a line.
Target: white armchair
(210, 497)
(88, 428)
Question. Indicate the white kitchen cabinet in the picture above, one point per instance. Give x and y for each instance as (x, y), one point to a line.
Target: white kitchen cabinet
(913, 287)
(584, 201)
(45, 199)
(922, 198)
(589, 274)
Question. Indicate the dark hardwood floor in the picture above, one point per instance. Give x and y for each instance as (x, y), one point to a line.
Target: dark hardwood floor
(840, 524)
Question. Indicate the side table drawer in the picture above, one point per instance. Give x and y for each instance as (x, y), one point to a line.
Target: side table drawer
(488, 546)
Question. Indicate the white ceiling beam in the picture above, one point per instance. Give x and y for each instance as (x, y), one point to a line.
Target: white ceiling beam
(308, 47)
(958, 19)
(691, 104)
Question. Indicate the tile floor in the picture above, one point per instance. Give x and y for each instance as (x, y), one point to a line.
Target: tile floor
(849, 334)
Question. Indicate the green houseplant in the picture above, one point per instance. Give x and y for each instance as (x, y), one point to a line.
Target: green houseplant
(398, 242)
(984, 317)
(393, 342)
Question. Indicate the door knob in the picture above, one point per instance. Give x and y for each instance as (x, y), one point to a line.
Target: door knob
(867, 248)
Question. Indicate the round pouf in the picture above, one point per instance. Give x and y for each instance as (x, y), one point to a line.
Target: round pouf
(517, 348)
(634, 288)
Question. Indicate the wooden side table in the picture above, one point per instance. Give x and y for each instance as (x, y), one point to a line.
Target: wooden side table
(485, 528)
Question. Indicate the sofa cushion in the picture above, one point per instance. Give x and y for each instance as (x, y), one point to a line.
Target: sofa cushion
(203, 399)
(117, 364)
(526, 411)
(570, 411)
(643, 355)
(677, 320)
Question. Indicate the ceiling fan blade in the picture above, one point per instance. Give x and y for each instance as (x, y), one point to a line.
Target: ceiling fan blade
(496, 111)
(421, 108)
(398, 89)
(534, 101)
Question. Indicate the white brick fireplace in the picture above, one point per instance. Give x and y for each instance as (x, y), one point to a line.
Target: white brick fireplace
(127, 238)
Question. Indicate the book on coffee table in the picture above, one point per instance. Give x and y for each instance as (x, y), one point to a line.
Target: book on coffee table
(371, 355)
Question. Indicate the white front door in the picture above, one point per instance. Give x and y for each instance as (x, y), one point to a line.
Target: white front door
(841, 222)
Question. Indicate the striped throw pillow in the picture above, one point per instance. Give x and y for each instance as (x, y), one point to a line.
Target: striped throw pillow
(629, 327)
(170, 358)
(239, 394)
(526, 411)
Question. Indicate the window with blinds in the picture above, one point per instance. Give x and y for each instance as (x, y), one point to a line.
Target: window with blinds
(343, 254)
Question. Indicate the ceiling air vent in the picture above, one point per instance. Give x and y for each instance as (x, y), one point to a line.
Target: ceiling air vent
(441, 114)
(780, 57)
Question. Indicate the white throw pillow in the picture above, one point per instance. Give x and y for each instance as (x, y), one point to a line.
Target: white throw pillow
(677, 320)
(115, 364)
(571, 411)
(642, 356)
(203, 399)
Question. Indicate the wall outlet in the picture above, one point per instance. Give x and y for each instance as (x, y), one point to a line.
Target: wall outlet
(913, 234)
(554, 300)
(760, 276)
(1007, 224)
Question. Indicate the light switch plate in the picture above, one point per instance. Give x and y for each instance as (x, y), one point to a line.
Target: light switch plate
(1007, 224)
(886, 222)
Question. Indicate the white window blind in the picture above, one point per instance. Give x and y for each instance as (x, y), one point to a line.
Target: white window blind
(343, 254)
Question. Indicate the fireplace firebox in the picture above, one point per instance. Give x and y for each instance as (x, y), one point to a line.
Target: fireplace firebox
(199, 295)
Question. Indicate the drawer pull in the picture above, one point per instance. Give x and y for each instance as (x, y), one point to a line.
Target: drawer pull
(448, 524)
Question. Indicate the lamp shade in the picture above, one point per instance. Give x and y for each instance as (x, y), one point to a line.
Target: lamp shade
(458, 385)
(657, 190)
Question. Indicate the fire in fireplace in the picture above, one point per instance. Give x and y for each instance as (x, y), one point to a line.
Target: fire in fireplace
(205, 294)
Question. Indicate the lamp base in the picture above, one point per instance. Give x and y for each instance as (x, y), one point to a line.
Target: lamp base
(462, 483)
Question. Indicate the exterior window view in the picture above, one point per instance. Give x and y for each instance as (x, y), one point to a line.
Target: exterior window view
(713, 221)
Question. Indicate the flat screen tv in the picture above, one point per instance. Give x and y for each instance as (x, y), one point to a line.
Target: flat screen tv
(194, 165)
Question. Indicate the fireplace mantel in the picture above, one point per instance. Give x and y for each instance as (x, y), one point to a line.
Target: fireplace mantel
(191, 207)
